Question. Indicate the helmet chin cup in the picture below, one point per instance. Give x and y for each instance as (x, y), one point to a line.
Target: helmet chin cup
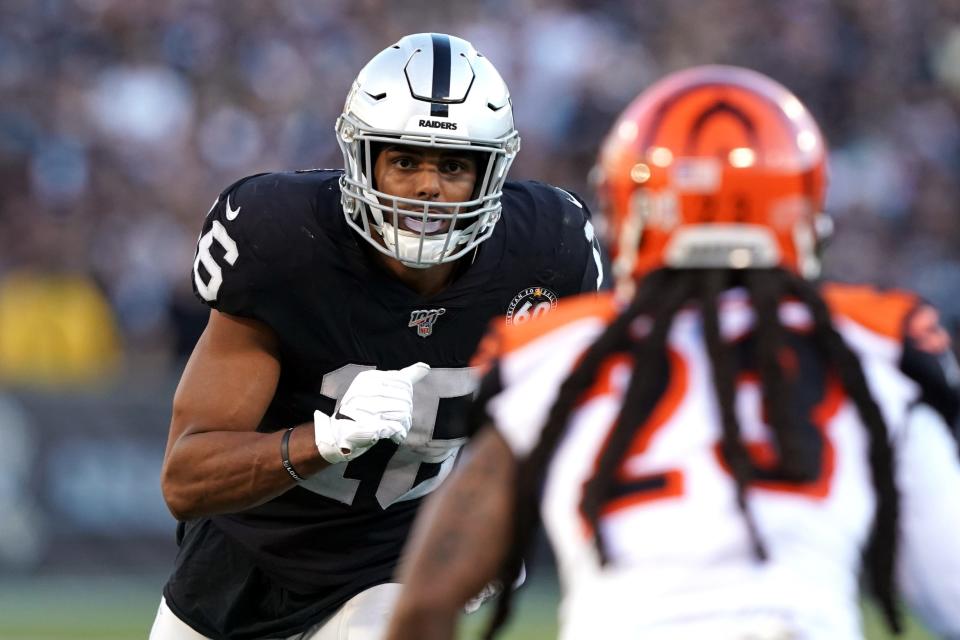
(419, 252)
(379, 220)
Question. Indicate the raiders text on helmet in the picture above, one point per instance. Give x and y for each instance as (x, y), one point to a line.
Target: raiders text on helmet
(427, 90)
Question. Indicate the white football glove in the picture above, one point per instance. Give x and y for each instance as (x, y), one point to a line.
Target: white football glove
(376, 405)
(493, 589)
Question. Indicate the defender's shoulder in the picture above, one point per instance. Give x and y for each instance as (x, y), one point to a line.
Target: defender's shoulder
(502, 340)
(923, 347)
(884, 312)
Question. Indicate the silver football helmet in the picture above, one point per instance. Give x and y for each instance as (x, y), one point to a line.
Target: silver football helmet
(427, 90)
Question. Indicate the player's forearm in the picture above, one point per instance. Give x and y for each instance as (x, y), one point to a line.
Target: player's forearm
(460, 540)
(214, 472)
(423, 623)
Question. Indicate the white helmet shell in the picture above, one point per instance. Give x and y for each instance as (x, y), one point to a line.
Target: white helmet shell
(429, 90)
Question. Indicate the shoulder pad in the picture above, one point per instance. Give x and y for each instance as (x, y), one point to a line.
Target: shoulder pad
(560, 228)
(883, 312)
(256, 235)
(502, 339)
(927, 354)
(548, 200)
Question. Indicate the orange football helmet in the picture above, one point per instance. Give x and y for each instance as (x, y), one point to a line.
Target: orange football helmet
(713, 166)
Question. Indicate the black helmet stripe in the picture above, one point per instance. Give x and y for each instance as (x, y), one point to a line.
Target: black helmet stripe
(441, 75)
(717, 108)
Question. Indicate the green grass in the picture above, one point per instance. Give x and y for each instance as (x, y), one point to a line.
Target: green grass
(535, 619)
(123, 609)
(78, 608)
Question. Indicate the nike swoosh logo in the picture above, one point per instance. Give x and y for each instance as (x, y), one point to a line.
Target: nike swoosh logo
(231, 212)
(568, 196)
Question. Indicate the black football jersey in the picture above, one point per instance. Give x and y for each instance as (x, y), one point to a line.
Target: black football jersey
(276, 247)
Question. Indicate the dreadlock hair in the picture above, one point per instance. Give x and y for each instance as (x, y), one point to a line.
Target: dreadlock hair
(660, 295)
(882, 547)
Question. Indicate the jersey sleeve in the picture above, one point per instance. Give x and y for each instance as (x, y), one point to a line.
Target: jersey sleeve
(528, 381)
(928, 478)
(526, 364)
(252, 241)
(577, 225)
(578, 229)
(568, 240)
(928, 359)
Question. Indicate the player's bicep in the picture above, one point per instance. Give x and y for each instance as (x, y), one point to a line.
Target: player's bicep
(229, 379)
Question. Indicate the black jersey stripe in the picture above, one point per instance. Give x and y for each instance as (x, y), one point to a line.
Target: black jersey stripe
(441, 75)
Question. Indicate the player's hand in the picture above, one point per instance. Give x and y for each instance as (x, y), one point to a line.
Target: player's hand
(377, 405)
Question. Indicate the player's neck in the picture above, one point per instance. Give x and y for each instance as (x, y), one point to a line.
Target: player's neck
(426, 282)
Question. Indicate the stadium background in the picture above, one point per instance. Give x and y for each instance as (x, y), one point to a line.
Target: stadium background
(120, 121)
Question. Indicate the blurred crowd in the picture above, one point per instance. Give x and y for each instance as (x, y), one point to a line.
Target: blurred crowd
(121, 120)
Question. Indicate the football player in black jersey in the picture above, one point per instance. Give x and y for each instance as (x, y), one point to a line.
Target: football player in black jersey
(325, 397)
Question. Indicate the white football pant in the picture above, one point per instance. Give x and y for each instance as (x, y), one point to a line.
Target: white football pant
(362, 617)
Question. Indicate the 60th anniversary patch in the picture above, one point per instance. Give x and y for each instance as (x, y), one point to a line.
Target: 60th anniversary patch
(530, 303)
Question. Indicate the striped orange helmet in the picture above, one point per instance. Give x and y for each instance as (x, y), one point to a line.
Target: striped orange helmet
(714, 166)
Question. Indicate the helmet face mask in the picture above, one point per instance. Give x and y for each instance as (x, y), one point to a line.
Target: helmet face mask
(714, 167)
(434, 92)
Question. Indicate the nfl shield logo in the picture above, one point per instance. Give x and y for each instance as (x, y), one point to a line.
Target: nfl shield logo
(423, 320)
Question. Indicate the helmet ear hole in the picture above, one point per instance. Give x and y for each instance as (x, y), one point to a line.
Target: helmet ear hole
(483, 162)
(376, 148)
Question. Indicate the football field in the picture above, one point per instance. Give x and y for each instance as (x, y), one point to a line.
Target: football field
(123, 608)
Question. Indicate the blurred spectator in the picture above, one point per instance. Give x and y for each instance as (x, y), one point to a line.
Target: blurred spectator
(119, 120)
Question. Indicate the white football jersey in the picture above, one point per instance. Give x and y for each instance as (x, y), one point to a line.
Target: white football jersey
(681, 561)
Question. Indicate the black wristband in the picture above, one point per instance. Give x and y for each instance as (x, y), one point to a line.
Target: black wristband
(285, 456)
